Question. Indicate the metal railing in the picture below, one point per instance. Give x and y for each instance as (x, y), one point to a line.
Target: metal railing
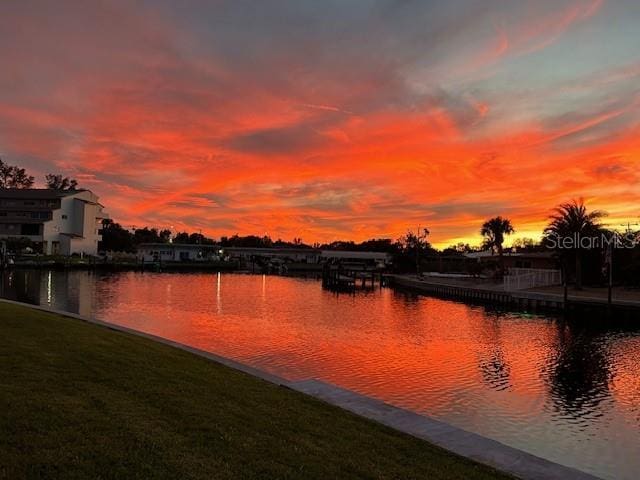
(524, 278)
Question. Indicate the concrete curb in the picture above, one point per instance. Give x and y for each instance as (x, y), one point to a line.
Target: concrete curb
(466, 444)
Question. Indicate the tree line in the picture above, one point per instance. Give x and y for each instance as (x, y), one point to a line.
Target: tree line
(413, 252)
(12, 176)
(569, 222)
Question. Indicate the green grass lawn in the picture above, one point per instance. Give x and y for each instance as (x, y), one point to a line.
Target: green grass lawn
(82, 401)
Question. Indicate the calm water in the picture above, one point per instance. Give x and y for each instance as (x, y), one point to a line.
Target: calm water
(568, 391)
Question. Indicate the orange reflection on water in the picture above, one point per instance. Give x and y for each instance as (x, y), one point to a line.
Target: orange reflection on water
(540, 384)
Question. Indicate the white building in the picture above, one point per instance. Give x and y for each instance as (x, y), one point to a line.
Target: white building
(178, 252)
(59, 222)
(380, 259)
(288, 254)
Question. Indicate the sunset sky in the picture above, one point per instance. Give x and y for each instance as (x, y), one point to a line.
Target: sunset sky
(328, 119)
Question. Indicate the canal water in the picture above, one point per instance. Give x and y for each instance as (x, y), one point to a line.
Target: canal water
(565, 390)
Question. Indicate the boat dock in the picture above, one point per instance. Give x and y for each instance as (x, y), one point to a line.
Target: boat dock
(349, 277)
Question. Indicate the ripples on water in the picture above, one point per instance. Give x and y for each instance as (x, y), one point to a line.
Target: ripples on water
(564, 390)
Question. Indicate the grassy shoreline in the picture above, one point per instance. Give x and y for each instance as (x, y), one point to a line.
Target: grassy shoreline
(83, 401)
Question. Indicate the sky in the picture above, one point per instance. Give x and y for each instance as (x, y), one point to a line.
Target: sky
(328, 120)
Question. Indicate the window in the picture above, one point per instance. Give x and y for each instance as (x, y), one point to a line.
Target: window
(30, 229)
(64, 217)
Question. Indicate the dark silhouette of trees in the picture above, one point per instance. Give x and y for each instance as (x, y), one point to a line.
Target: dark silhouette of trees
(459, 249)
(115, 238)
(494, 231)
(627, 261)
(249, 241)
(164, 235)
(570, 228)
(148, 235)
(526, 245)
(413, 248)
(193, 238)
(385, 245)
(58, 182)
(12, 176)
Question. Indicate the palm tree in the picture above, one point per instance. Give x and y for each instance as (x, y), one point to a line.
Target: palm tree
(572, 221)
(494, 231)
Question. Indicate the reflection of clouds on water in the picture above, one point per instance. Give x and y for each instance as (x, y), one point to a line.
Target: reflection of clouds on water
(561, 390)
(219, 293)
(495, 371)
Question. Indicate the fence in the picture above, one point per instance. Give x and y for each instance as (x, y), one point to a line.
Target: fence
(523, 278)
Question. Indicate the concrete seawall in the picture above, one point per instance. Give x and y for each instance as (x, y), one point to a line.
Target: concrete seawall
(522, 299)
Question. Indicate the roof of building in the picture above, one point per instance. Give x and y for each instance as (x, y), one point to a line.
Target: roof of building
(272, 250)
(36, 193)
(354, 254)
(489, 254)
(178, 245)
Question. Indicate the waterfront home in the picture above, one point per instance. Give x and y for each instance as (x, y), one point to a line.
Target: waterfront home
(523, 270)
(247, 255)
(57, 222)
(179, 252)
(378, 259)
(537, 260)
(533, 260)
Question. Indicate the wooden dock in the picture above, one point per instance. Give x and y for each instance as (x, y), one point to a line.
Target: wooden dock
(346, 277)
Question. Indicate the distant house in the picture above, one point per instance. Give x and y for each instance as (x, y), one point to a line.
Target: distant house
(178, 252)
(57, 222)
(371, 258)
(246, 255)
(535, 260)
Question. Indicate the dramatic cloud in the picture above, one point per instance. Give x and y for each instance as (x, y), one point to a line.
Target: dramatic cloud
(328, 120)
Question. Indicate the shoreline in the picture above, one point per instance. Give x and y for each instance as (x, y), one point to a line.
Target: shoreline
(453, 439)
(521, 300)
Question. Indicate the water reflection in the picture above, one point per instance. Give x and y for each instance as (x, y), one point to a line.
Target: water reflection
(493, 365)
(580, 371)
(564, 390)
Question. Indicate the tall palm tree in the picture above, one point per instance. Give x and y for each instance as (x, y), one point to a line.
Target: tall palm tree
(572, 221)
(494, 231)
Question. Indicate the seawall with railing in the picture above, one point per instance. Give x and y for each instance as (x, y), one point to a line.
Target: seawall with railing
(496, 294)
